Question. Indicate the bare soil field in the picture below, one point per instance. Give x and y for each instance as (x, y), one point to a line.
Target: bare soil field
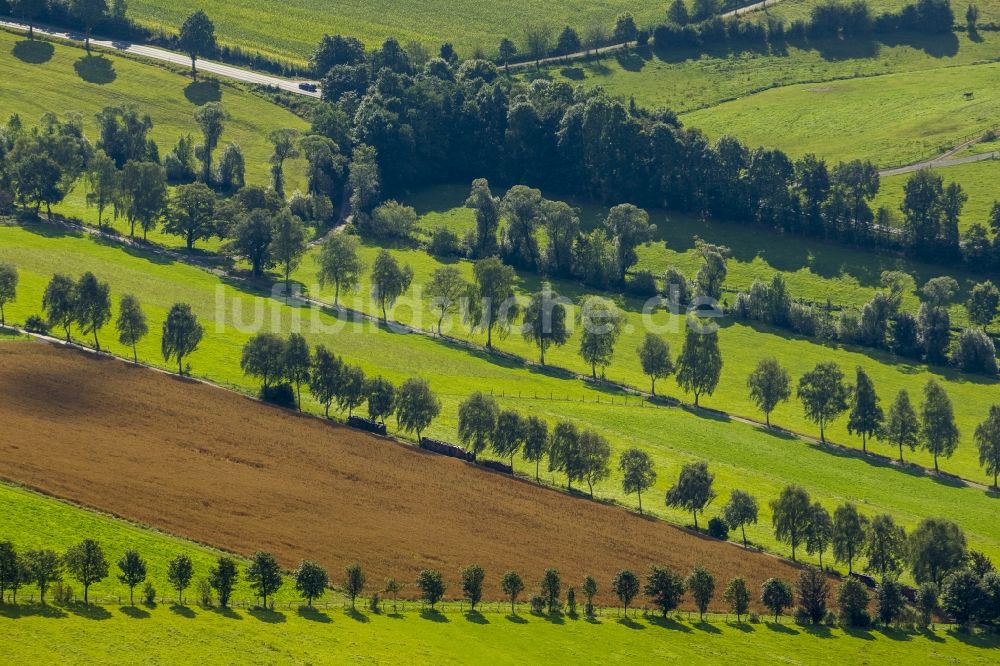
(213, 466)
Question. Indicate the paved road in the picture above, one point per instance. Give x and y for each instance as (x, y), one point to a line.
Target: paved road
(154, 53)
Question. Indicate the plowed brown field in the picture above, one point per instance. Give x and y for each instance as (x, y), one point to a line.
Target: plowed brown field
(212, 466)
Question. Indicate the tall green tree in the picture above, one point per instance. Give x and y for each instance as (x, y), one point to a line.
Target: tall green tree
(263, 357)
(131, 324)
(654, 356)
(601, 322)
(389, 281)
(191, 213)
(984, 300)
(512, 585)
(551, 585)
(885, 547)
(664, 588)
(741, 510)
(133, 572)
(222, 577)
(286, 146)
(59, 302)
(936, 548)
(142, 196)
(339, 263)
(311, 581)
(381, 397)
(181, 334)
(790, 515)
(211, 118)
(477, 420)
(93, 305)
(264, 576)
(197, 38)
(536, 441)
(365, 183)
(416, 406)
(776, 595)
(565, 454)
(700, 363)
(938, 431)
(824, 395)
(296, 362)
(351, 389)
(446, 290)
(638, 473)
(86, 563)
(693, 490)
(988, 441)
(508, 436)
(325, 377)
(44, 568)
(701, 584)
(288, 244)
(850, 531)
(431, 584)
(819, 533)
(737, 595)
(769, 386)
(102, 182)
(866, 416)
(180, 571)
(472, 584)
(629, 227)
(89, 13)
(493, 305)
(595, 456)
(902, 427)
(545, 321)
(8, 287)
(626, 587)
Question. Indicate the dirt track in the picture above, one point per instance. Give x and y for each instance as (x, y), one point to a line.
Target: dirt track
(218, 468)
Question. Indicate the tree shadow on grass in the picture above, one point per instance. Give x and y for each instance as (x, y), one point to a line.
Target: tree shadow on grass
(183, 611)
(32, 51)
(95, 69)
(781, 628)
(227, 613)
(896, 634)
(573, 73)
(203, 92)
(745, 627)
(15, 611)
(818, 630)
(313, 615)
(433, 615)
(267, 615)
(516, 619)
(974, 639)
(629, 623)
(476, 617)
(356, 615)
(669, 623)
(706, 627)
(859, 632)
(134, 612)
(90, 611)
(931, 635)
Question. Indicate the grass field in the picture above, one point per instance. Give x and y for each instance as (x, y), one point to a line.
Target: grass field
(890, 120)
(742, 456)
(790, 10)
(292, 29)
(978, 180)
(75, 83)
(686, 82)
(114, 631)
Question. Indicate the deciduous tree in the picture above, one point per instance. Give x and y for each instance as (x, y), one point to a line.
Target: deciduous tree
(512, 585)
(902, 428)
(197, 38)
(416, 406)
(866, 416)
(264, 575)
(769, 385)
(938, 431)
(790, 515)
(850, 531)
(133, 572)
(626, 587)
(776, 595)
(131, 324)
(741, 510)
(180, 570)
(339, 263)
(654, 355)
(664, 588)
(477, 420)
(824, 395)
(389, 281)
(638, 473)
(181, 335)
(700, 364)
(93, 305)
(988, 441)
(701, 584)
(693, 490)
(545, 321)
(222, 577)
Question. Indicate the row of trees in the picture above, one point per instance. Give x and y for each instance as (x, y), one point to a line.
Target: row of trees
(881, 323)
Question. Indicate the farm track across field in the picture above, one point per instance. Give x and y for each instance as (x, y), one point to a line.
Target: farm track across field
(210, 465)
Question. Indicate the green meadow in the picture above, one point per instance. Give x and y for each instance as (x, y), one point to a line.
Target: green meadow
(291, 29)
(890, 120)
(978, 181)
(686, 81)
(76, 83)
(741, 455)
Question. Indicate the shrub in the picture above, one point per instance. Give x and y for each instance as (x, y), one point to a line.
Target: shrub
(36, 324)
(149, 594)
(374, 603)
(280, 394)
(974, 352)
(571, 601)
(393, 220)
(62, 593)
(718, 529)
(853, 601)
(445, 243)
(538, 604)
(205, 593)
(803, 319)
(753, 618)
(801, 617)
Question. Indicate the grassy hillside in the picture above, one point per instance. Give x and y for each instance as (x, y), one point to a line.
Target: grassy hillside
(790, 10)
(978, 180)
(742, 456)
(292, 29)
(41, 77)
(687, 81)
(890, 120)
